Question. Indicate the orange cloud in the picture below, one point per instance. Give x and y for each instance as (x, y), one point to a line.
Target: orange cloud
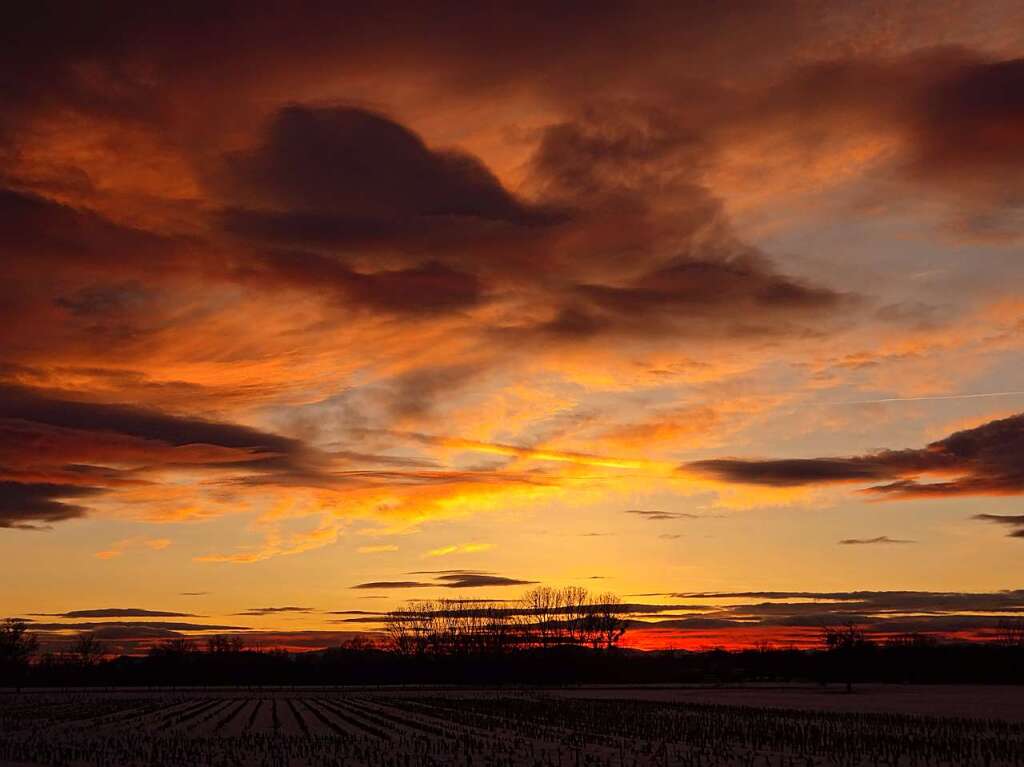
(459, 548)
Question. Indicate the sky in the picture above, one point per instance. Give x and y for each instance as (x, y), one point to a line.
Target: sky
(309, 310)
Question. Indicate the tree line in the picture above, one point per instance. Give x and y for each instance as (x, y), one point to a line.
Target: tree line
(544, 617)
(550, 636)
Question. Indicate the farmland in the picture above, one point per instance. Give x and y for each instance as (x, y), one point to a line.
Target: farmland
(512, 728)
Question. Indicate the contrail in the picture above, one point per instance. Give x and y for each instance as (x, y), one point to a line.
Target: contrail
(937, 397)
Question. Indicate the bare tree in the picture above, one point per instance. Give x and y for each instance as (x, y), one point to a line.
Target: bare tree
(225, 645)
(911, 641)
(543, 617)
(540, 616)
(17, 646)
(174, 650)
(359, 643)
(88, 650)
(498, 629)
(415, 630)
(575, 607)
(1010, 632)
(846, 643)
(399, 626)
(610, 625)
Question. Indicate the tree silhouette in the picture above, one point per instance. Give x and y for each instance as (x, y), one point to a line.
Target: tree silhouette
(16, 649)
(225, 645)
(88, 650)
(609, 624)
(846, 644)
(544, 617)
(539, 616)
(1010, 632)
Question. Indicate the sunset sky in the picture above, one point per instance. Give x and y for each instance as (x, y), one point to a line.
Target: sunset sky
(311, 309)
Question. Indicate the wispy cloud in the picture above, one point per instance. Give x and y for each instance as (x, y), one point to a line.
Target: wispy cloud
(259, 611)
(378, 549)
(120, 547)
(449, 579)
(1014, 521)
(936, 397)
(535, 453)
(458, 548)
(661, 516)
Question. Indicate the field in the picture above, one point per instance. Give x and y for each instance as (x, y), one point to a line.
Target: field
(617, 727)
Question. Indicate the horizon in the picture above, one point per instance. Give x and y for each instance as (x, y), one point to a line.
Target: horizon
(743, 625)
(311, 315)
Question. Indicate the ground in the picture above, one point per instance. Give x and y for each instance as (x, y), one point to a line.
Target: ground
(751, 726)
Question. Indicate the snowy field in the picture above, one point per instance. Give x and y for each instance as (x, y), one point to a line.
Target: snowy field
(617, 727)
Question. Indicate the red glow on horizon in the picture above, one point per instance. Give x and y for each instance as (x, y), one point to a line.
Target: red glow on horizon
(733, 639)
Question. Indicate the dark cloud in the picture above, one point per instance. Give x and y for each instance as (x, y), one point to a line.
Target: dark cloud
(476, 580)
(33, 227)
(1013, 521)
(695, 293)
(129, 626)
(349, 162)
(792, 471)
(391, 585)
(950, 115)
(137, 640)
(876, 601)
(364, 620)
(688, 273)
(661, 516)
(968, 135)
(35, 506)
(985, 460)
(877, 539)
(426, 288)
(883, 612)
(688, 623)
(330, 181)
(559, 53)
(109, 294)
(69, 433)
(449, 579)
(335, 180)
(275, 610)
(350, 205)
(119, 612)
(62, 412)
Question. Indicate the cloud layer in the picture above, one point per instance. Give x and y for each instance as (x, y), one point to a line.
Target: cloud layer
(984, 460)
(449, 579)
(472, 282)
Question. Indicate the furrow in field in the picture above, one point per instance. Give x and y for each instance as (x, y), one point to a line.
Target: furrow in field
(353, 719)
(386, 714)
